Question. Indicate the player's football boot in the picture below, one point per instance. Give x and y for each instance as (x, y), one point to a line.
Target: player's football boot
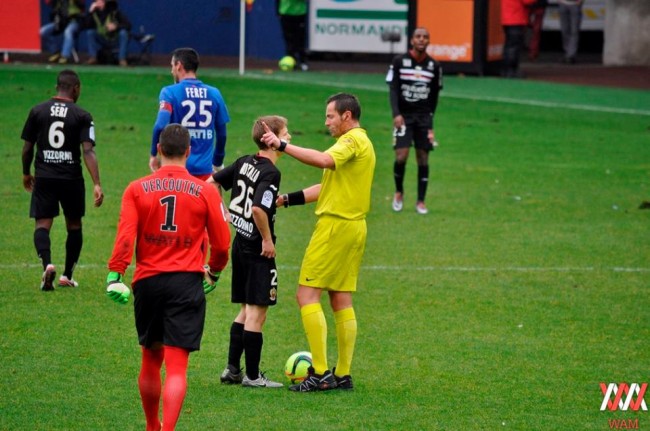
(315, 382)
(67, 282)
(421, 208)
(260, 382)
(47, 281)
(231, 377)
(398, 203)
(343, 382)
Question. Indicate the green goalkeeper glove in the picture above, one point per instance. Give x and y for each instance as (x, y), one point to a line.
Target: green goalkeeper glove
(209, 279)
(115, 289)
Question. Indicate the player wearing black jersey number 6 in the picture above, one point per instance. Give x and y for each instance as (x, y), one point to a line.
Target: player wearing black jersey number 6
(62, 133)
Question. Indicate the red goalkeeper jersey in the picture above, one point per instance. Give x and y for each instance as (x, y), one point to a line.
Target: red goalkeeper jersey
(166, 215)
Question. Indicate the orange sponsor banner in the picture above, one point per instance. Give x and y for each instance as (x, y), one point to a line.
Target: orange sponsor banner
(451, 26)
(20, 24)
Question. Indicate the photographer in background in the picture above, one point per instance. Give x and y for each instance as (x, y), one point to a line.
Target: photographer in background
(107, 28)
(66, 16)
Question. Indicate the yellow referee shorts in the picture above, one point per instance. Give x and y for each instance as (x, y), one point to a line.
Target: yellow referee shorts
(334, 253)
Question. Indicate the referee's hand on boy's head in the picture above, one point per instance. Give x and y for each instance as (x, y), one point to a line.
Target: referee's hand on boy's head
(269, 137)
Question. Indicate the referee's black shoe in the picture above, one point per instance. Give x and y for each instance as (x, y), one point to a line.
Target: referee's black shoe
(343, 382)
(315, 382)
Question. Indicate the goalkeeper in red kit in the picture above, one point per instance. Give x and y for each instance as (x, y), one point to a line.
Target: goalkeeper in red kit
(166, 215)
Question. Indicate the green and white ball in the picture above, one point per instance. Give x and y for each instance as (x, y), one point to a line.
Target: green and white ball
(297, 365)
(287, 63)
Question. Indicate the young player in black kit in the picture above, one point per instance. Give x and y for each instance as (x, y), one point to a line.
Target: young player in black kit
(255, 182)
(415, 81)
(62, 133)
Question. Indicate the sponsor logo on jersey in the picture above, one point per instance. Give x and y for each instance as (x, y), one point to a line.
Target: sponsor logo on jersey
(243, 226)
(51, 156)
(415, 92)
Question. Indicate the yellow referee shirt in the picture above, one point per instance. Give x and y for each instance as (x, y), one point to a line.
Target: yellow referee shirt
(345, 191)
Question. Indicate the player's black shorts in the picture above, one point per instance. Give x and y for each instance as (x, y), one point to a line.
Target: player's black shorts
(170, 308)
(254, 278)
(415, 130)
(49, 192)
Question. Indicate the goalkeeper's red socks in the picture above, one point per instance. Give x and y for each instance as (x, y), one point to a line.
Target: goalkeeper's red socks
(150, 386)
(176, 360)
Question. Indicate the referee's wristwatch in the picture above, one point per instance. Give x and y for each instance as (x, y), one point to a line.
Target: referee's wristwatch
(283, 145)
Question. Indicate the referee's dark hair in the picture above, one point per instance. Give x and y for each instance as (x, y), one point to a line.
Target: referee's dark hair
(67, 80)
(188, 57)
(174, 141)
(346, 102)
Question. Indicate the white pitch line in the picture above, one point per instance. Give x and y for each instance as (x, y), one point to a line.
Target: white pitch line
(577, 107)
(502, 269)
(509, 100)
(412, 268)
(309, 80)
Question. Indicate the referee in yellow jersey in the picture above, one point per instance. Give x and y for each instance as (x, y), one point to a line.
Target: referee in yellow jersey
(333, 257)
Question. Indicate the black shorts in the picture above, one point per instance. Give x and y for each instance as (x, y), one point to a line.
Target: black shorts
(49, 192)
(254, 279)
(170, 308)
(415, 130)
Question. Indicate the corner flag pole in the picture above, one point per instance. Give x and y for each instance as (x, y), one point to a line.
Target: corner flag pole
(242, 36)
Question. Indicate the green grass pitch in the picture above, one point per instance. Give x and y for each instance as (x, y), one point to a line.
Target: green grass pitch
(505, 307)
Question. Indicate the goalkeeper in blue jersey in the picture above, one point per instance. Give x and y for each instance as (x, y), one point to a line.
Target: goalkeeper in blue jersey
(198, 107)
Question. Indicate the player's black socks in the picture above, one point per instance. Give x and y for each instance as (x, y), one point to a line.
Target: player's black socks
(253, 347)
(73, 245)
(423, 181)
(236, 348)
(42, 245)
(398, 172)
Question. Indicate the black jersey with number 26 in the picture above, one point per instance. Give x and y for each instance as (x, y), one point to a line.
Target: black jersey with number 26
(253, 181)
(58, 127)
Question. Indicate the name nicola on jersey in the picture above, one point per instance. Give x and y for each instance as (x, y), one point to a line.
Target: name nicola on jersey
(249, 171)
(177, 185)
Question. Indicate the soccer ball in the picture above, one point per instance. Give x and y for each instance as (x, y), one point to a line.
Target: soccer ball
(287, 63)
(296, 367)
